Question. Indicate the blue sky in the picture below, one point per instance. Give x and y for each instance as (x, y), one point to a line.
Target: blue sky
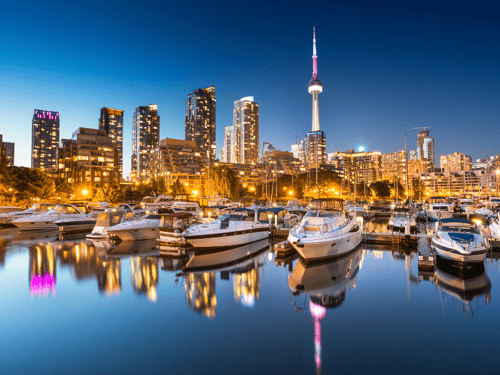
(386, 68)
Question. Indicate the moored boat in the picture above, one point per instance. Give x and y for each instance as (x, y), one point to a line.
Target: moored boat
(232, 229)
(326, 231)
(459, 241)
(401, 219)
(47, 220)
(7, 217)
(172, 226)
(144, 228)
(107, 219)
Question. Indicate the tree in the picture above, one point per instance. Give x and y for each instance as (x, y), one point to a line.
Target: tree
(381, 189)
(63, 189)
(178, 188)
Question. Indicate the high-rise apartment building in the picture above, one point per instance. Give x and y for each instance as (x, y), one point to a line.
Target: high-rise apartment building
(89, 160)
(200, 120)
(425, 147)
(145, 138)
(44, 139)
(315, 149)
(456, 162)
(111, 121)
(225, 156)
(358, 166)
(245, 133)
(393, 166)
(7, 151)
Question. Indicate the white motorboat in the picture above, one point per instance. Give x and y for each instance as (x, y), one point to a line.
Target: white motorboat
(107, 219)
(494, 227)
(493, 204)
(459, 241)
(83, 224)
(47, 221)
(171, 227)
(191, 207)
(438, 211)
(326, 231)
(232, 229)
(153, 203)
(401, 219)
(7, 209)
(137, 210)
(38, 208)
(144, 228)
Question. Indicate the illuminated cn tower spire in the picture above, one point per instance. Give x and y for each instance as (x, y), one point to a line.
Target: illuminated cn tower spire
(315, 86)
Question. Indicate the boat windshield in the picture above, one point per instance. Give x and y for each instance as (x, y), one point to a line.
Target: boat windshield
(64, 210)
(148, 200)
(110, 218)
(235, 217)
(495, 200)
(440, 208)
(459, 229)
(323, 213)
(40, 207)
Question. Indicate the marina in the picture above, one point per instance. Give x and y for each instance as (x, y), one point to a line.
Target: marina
(270, 302)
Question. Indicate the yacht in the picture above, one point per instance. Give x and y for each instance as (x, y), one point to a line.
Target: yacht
(191, 207)
(141, 228)
(493, 204)
(459, 241)
(153, 203)
(38, 208)
(494, 227)
(46, 221)
(82, 224)
(326, 231)
(400, 218)
(438, 208)
(467, 205)
(236, 228)
(136, 209)
(107, 219)
(171, 227)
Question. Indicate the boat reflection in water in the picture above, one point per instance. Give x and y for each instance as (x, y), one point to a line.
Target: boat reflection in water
(326, 284)
(241, 261)
(470, 286)
(42, 270)
(144, 274)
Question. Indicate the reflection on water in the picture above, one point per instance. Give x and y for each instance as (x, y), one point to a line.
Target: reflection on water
(326, 285)
(200, 295)
(246, 287)
(467, 289)
(144, 274)
(42, 270)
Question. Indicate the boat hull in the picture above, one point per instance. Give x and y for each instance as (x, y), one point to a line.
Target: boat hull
(457, 257)
(327, 247)
(35, 225)
(228, 239)
(135, 234)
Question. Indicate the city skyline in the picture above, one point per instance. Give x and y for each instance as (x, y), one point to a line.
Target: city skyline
(387, 74)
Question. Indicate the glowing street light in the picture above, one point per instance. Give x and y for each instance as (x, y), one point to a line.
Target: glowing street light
(290, 192)
(85, 192)
(195, 192)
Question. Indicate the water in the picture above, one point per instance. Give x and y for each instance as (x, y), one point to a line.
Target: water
(76, 307)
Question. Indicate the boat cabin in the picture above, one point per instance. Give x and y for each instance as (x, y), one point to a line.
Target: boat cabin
(179, 221)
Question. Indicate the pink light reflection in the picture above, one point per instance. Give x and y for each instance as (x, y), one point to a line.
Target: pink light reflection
(41, 285)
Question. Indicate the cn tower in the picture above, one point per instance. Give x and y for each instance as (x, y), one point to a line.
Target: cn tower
(315, 86)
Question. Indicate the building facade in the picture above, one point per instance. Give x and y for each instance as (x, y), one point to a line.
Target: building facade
(200, 120)
(357, 166)
(394, 166)
(179, 159)
(44, 139)
(455, 162)
(89, 161)
(315, 153)
(145, 139)
(111, 121)
(245, 132)
(425, 147)
(225, 156)
(7, 150)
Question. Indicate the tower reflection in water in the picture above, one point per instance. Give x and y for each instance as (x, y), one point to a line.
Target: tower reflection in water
(144, 274)
(42, 270)
(85, 262)
(243, 262)
(326, 284)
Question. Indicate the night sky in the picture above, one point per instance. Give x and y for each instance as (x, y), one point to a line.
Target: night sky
(385, 68)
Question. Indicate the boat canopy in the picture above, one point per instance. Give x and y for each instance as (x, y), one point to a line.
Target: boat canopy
(457, 220)
(328, 204)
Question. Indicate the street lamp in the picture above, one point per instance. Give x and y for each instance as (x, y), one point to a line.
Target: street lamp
(290, 192)
(85, 192)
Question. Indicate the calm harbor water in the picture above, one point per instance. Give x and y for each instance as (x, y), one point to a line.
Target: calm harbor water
(74, 306)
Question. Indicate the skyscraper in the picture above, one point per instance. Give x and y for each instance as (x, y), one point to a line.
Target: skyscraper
(225, 156)
(425, 147)
(200, 120)
(145, 138)
(111, 121)
(245, 133)
(316, 139)
(44, 139)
